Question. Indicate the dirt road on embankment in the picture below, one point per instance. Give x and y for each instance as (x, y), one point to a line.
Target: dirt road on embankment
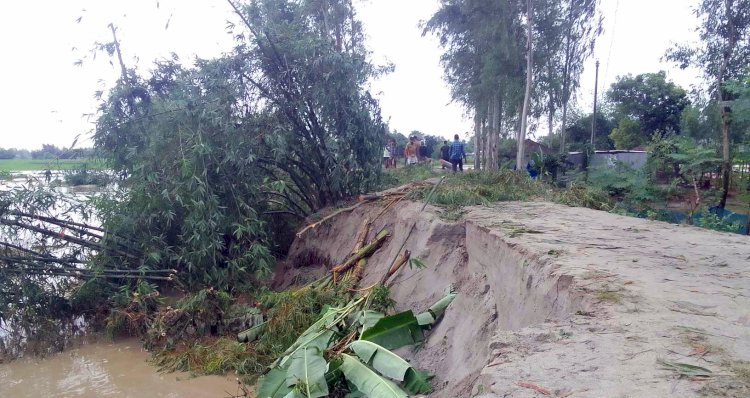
(561, 302)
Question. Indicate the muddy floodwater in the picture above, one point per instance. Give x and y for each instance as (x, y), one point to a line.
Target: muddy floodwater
(105, 370)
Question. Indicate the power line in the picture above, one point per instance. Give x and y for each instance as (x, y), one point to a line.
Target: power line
(612, 42)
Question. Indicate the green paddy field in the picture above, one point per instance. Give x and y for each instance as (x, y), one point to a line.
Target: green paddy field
(14, 165)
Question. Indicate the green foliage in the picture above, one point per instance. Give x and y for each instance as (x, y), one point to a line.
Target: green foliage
(16, 165)
(323, 359)
(484, 49)
(176, 334)
(86, 176)
(681, 161)
(627, 134)
(632, 187)
(212, 152)
(133, 308)
(583, 195)
(740, 88)
(207, 357)
(548, 165)
(579, 132)
(380, 299)
(655, 103)
(395, 331)
(701, 122)
(367, 381)
(483, 188)
(406, 174)
(711, 220)
(307, 369)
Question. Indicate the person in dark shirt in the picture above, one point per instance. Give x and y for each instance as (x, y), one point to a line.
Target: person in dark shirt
(445, 154)
(457, 154)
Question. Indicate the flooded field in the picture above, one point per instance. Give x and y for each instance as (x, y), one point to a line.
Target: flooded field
(105, 370)
(94, 369)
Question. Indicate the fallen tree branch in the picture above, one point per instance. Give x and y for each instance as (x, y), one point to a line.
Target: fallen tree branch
(328, 217)
(362, 253)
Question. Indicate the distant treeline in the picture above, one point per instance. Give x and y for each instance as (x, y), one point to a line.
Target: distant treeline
(47, 152)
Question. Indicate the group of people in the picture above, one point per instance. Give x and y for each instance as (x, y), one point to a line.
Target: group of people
(452, 155)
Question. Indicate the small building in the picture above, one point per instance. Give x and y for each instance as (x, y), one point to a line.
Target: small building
(636, 159)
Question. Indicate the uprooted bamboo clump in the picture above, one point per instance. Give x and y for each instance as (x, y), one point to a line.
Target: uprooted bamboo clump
(348, 349)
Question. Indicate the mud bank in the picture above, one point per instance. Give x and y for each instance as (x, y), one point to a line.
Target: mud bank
(558, 301)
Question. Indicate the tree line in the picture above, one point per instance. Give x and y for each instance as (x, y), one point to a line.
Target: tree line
(48, 151)
(516, 63)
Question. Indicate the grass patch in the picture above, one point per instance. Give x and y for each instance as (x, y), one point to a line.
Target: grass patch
(610, 296)
(289, 314)
(452, 213)
(741, 369)
(208, 356)
(16, 165)
(406, 174)
(579, 195)
(468, 189)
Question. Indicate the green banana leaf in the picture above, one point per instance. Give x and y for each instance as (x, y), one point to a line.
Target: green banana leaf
(395, 331)
(307, 369)
(368, 318)
(425, 319)
(273, 384)
(433, 314)
(384, 361)
(418, 382)
(318, 335)
(367, 381)
(294, 394)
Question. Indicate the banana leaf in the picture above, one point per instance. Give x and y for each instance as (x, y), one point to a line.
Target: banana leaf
(368, 318)
(307, 369)
(426, 319)
(433, 314)
(294, 394)
(418, 382)
(384, 361)
(273, 384)
(318, 335)
(395, 331)
(367, 381)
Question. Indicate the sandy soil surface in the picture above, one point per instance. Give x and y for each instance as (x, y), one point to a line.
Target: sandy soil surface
(652, 292)
(559, 301)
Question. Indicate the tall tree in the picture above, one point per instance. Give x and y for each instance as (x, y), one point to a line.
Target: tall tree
(583, 26)
(486, 45)
(655, 103)
(520, 158)
(723, 54)
(482, 62)
(219, 156)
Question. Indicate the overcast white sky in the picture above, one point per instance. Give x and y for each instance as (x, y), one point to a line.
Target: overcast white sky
(45, 98)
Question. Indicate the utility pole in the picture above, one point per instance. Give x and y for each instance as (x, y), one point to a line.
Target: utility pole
(593, 117)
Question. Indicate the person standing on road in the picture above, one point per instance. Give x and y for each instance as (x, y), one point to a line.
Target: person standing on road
(457, 154)
(391, 147)
(445, 155)
(410, 152)
(386, 157)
